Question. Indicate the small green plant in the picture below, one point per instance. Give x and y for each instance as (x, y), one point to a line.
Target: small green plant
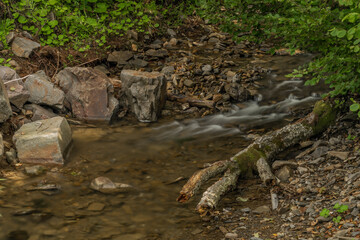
(355, 107)
(337, 219)
(351, 137)
(5, 62)
(325, 213)
(341, 208)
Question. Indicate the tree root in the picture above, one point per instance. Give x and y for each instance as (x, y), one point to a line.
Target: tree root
(256, 157)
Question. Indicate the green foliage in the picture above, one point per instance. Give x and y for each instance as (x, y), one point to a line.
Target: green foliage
(6, 25)
(330, 28)
(83, 23)
(340, 208)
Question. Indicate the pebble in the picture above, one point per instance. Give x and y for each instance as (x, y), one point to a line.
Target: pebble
(96, 207)
(35, 170)
(231, 235)
(262, 209)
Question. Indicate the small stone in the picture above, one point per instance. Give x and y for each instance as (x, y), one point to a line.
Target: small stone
(161, 53)
(302, 170)
(262, 209)
(213, 40)
(173, 42)
(132, 34)
(206, 68)
(319, 152)
(15, 65)
(96, 207)
(27, 35)
(103, 69)
(120, 56)
(23, 47)
(35, 170)
(185, 106)
(138, 63)
(171, 32)
(104, 185)
(189, 83)
(306, 144)
(341, 233)
(334, 141)
(246, 210)
(284, 173)
(231, 235)
(168, 70)
(341, 155)
(10, 37)
(11, 157)
(278, 164)
(196, 231)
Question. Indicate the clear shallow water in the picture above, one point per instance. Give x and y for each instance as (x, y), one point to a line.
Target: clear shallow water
(149, 158)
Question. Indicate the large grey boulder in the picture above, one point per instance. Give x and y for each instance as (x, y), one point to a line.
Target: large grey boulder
(145, 92)
(5, 108)
(89, 93)
(43, 91)
(23, 47)
(43, 142)
(16, 91)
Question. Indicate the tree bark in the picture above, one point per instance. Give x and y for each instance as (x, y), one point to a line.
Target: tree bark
(265, 148)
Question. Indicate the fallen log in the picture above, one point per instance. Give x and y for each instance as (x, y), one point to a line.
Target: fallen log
(194, 102)
(265, 147)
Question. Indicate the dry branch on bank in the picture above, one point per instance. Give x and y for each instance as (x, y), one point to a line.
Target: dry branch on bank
(256, 156)
(194, 102)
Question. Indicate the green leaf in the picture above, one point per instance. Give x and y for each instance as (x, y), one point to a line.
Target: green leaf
(22, 19)
(356, 49)
(52, 2)
(53, 23)
(341, 33)
(355, 107)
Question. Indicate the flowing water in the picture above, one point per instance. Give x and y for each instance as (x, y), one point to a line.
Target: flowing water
(156, 159)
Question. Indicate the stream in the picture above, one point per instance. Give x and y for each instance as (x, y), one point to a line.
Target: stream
(154, 158)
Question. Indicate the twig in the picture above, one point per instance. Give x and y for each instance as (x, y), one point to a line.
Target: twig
(87, 62)
(18, 79)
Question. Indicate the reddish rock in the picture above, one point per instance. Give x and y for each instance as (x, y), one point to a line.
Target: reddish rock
(88, 93)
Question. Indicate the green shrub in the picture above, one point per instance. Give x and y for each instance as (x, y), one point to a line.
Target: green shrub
(83, 23)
